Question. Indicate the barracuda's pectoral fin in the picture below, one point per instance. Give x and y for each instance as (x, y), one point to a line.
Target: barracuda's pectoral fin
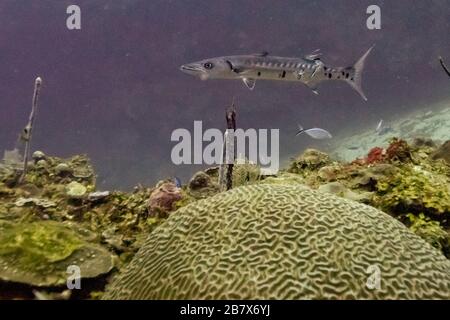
(310, 83)
(241, 71)
(249, 83)
(313, 86)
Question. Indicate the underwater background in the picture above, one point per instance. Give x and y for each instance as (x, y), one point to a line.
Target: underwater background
(99, 211)
(113, 89)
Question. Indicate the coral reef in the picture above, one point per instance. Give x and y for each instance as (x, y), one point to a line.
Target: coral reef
(429, 125)
(443, 152)
(162, 199)
(56, 217)
(203, 185)
(430, 230)
(275, 241)
(398, 150)
(245, 173)
(39, 254)
(400, 179)
(375, 155)
(414, 190)
(311, 159)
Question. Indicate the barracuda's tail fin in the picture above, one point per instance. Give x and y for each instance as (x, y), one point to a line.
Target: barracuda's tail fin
(355, 78)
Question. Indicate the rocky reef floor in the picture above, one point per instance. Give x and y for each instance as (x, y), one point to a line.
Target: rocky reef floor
(431, 122)
(56, 218)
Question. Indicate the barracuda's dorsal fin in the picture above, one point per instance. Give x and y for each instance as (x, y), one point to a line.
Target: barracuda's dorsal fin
(313, 55)
(249, 83)
(261, 54)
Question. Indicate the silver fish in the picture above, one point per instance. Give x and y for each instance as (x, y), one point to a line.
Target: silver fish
(309, 70)
(316, 133)
(382, 129)
(379, 126)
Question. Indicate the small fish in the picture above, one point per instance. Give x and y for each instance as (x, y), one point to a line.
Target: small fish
(352, 147)
(316, 133)
(177, 182)
(308, 70)
(382, 129)
(379, 126)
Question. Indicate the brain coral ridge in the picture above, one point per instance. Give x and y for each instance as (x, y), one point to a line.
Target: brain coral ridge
(275, 241)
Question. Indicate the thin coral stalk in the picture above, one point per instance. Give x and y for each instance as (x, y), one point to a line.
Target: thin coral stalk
(226, 168)
(447, 71)
(27, 131)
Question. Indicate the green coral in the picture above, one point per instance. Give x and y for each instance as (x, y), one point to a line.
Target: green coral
(431, 231)
(245, 173)
(104, 223)
(75, 190)
(284, 178)
(39, 253)
(309, 160)
(413, 189)
(36, 245)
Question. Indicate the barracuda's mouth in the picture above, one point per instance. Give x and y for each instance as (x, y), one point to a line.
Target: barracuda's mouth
(192, 69)
(195, 70)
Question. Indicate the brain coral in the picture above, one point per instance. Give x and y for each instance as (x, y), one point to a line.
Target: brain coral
(275, 241)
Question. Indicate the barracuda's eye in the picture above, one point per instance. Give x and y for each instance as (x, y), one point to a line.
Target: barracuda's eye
(208, 65)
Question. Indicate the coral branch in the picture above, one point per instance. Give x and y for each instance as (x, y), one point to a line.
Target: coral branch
(226, 168)
(447, 71)
(27, 131)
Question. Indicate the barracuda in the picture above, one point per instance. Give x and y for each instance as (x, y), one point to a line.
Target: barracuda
(309, 70)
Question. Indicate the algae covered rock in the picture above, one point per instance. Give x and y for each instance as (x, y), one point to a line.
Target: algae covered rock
(203, 185)
(39, 254)
(38, 156)
(284, 178)
(44, 203)
(245, 172)
(329, 173)
(63, 169)
(369, 176)
(340, 190)
(311, 159)
(414, 189)
(431, 231)
(275, 241)
(163, 198)
(443, 152)
(199, 180)
(76, 190)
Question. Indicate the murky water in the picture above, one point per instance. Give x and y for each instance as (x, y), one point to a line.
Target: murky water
(116, 113)
(113, 89)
